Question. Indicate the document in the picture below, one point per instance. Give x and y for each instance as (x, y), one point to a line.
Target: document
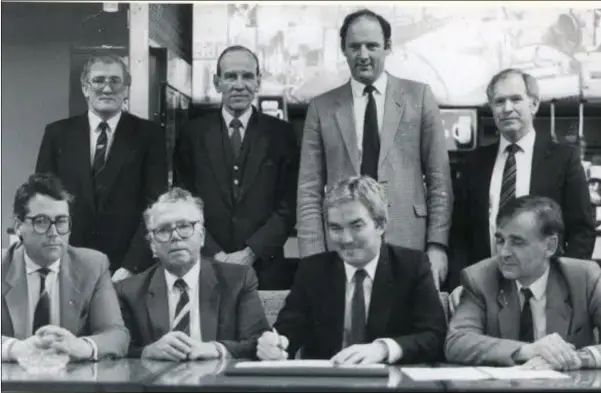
(444, 373)
(296, 363)
(520, 373)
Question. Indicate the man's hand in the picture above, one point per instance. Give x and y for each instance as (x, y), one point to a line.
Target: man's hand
(559, 354)
(23, 347)
(64, 341)
(539, 363)
(204, 351)
(272, 346)
(376, 352)
(121, 274)
(438, 262)
(242, 257)
(175, 346)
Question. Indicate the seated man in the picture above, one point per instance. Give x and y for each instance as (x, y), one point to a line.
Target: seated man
(187, 307)
(55, 295)
(367, 302)
(526, 304)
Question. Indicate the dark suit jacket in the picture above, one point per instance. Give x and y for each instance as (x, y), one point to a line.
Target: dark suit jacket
(134, 176)
(230, 308)
(556, 173)
(485, 326)
(404, 306)
(263, 215)
(88, 303)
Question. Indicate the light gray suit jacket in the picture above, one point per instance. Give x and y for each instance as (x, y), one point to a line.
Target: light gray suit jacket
(88, 301)
(413, 166)
(484, 329)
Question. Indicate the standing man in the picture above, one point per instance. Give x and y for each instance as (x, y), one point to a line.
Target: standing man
(244, 166)
(523, 162)
(114, 163)
(384, 127)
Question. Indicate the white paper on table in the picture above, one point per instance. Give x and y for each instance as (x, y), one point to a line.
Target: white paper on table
(520, 373)
(444, 373)
(303, 363)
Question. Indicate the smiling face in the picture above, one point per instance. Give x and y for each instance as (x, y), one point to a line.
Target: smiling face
(238, 81)
(105, 89)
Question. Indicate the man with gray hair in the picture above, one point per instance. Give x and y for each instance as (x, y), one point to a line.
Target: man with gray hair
(187, 307)
(523, 162)
(114, 163)
(366, 301)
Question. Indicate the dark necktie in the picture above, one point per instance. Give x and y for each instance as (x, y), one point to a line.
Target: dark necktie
(101, 146)
(41, 315)
(509, 176)
(371, 136)
(236, 138)
(358, 328)
(181, 322)
(526, 324)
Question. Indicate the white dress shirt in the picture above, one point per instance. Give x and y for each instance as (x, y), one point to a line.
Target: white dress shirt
(360, 103)
(94, 122)
(523, 162)
(394, 350)
(174, 294)
(538, 304)
(244, 118)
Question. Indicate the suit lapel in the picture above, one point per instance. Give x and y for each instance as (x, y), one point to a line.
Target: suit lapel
(540, 154)
(509, 309)
(257, 148)
(77, 147)
(394, 104)
(214, 150)
(558, 309)
(209, 298)
(14, 290)
(72, 283)
(157, 304)
(381, 297)
(345, 118)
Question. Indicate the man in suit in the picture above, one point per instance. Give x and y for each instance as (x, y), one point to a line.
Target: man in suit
(244, 166)
(367, 301)
(114, 163)
(187, 307)
(526, 305)
(384, 127)
(523, 162)
(55, 296)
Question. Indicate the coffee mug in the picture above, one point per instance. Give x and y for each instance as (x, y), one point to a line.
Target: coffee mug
(462, 130)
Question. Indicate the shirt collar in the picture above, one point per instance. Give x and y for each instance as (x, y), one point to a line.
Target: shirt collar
(32, 267)
(244, 118)
(370, 269)
(95, 121)
(380, 85)
(526, 143)
(538, 287)
(191, 278)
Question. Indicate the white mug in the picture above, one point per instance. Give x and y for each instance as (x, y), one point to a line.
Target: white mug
(462, 130)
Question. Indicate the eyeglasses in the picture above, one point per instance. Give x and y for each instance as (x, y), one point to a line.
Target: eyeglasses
(183, 229)
(42, 223)
(99, 82)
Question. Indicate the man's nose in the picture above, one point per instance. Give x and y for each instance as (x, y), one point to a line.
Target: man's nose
(107, 88)
(363, 53)
(507, 106)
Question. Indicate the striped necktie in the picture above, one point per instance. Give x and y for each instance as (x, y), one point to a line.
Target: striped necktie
(41, 315)
(371, 136)
(181, 322)
(509, 176)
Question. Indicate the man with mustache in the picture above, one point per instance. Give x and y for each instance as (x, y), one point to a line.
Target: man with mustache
(244, 166)
(383, 127)
(526, 305)
(523, 162)
(113, 162)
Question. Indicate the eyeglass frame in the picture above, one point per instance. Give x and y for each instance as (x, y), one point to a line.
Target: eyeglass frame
(107, 81)
(175, 229)
(52, 223)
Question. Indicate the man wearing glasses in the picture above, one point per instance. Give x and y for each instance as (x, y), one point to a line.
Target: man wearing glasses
(188, 307)
(55, 296)
(114, 163)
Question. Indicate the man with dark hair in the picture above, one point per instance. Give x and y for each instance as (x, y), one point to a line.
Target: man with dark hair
(523, 162)
(384, 127)
(55, 295)
(244, 166)
(526, 304)
(114, 163)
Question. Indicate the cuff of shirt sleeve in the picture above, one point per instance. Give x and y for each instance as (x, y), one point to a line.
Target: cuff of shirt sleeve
(590, 357)
(394, 349)
(94, 348)
(223, 352)
(7, 344)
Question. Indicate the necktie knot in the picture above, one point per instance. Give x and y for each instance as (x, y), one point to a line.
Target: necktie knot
(103, 126)
(369, 89)
(43, 272)
(513, 148)
(527, 293)
(235, 123)
(360, 275)
(181, 285)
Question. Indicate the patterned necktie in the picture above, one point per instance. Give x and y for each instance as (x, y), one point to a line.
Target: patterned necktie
(181, 322)
(358, 329)
(509, 176)
(101, 146)
(41, 315)
(371, 136)
(526, 324)
(236, 137)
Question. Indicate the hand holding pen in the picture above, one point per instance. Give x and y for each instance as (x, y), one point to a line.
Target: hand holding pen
(272, 346)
